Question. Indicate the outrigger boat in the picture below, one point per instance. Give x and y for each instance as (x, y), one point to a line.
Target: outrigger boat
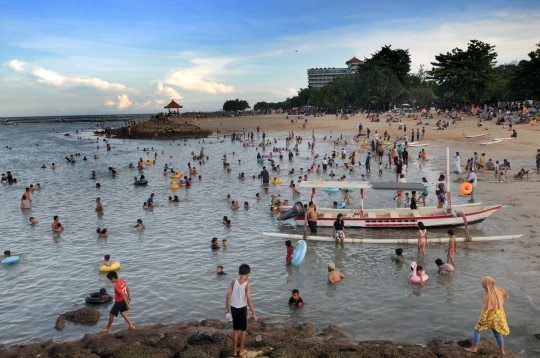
(431, 216)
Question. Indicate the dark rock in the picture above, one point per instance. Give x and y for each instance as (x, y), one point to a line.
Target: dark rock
(417, 352)
(333, 332)
(82, 315)
(537, 335)
(69, 350)
(192, 353)
(60, 323)
(308, 329)
(46, 343)
(216, 323)
(133, 351)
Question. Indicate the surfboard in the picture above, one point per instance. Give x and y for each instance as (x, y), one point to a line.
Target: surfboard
(476, 135)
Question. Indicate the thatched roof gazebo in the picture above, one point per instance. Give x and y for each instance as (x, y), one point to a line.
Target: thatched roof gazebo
(173, 105)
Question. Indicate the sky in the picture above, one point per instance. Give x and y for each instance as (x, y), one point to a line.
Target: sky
(119, 57)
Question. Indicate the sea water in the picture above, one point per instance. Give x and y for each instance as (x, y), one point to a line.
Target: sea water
(169, 266)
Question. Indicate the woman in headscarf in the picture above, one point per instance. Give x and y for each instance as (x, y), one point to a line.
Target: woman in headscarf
(492, 316)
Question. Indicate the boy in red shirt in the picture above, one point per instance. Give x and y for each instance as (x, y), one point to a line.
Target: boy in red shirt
(122, 298)
(290, 250)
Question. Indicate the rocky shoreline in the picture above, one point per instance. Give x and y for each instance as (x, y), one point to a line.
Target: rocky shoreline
(213, 338)
(156, 129)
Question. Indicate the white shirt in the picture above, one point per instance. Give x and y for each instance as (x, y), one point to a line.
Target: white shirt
(472, 175)
(238, 296)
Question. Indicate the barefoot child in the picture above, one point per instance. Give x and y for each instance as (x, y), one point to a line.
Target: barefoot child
(444, 268)
(238, 298)
(422, 239)
(452, 247)
(122, 298)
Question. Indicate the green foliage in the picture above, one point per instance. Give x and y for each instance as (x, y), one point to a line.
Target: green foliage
(524, 80)
(397, 61)
(466, 76)
(235, 105)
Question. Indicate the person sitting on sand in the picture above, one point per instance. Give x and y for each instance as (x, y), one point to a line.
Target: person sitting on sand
(334, 276)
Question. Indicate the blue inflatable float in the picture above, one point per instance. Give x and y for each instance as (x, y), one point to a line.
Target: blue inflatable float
(341, 205)
(299, 252)
(13, 259)
(331, 190)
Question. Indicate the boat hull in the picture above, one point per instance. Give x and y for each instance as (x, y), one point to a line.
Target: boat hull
(434, 220)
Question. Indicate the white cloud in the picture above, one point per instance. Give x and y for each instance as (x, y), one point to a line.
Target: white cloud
(55, 79)
(123, 102)
(286, 92)
(109, 102)
(159, 101)
(201, 76)
(167, 91)
(142, 105)
(16, 65)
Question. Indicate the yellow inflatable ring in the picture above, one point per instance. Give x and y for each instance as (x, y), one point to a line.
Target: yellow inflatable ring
(175, 176)
(174, 185)
(149, 162)
(112, 267)
(466, 188)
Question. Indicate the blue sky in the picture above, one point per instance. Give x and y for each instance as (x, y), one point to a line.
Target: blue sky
(100, 57)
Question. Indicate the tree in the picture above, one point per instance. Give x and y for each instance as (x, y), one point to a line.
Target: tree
(397, 61)
(235, 105)
(524, 81)
(466, 76)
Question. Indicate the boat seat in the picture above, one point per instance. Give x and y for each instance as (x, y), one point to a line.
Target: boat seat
(372, 215)
(416, 214)
(394, 214)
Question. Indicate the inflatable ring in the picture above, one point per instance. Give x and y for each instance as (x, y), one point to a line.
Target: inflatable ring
(278, 181)
(177, 175)
(10, 260)
(331, 190)
(341, 205)
(94, 299)
(350, 189)
(149, 162)
(299, 252)
(466, 188)
(112, 267)
(414, 277)
(141, 182)
(175, 185)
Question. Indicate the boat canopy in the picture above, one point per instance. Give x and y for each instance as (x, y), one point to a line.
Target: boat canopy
(361, 185)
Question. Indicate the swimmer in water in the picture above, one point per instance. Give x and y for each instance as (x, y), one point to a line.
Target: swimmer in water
(53, 166)
(56, 226)
(246, 205)
(102, 232)
(99, 205)
(224, 222)
(214, 245)
(38, 186)
(33, 221)
(43, 166)
(224, 243)
(258, 196)
(98, 185)
(220, 271)
(139, 225)
(228, 197)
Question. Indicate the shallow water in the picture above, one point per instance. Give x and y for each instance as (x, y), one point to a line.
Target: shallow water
(169, 265)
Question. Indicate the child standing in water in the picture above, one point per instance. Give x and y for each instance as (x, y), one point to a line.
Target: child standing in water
(452, 248)
(422, 239)
(290, 250)
(238, 298)
(398, 257)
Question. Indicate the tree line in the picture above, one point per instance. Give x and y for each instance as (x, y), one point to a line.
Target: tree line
(461, 76)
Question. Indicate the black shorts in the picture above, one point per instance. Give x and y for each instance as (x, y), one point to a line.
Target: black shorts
(118, 307)
(312, 226)
(239, 318)
(324, 166)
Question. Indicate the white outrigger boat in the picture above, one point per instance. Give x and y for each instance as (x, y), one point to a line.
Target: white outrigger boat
(431, 216)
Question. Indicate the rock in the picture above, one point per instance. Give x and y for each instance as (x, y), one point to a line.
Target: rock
(417, 352)
(143, 352)
(82, 315)
(333, 332)
(60, 323)
(46, 343)
(216, 323)
(537, 335)
(192, 353)
(308, 329)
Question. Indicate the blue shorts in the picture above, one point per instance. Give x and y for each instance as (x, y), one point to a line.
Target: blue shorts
(118, 307)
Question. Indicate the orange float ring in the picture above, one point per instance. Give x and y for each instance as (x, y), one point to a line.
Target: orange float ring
(466, 188)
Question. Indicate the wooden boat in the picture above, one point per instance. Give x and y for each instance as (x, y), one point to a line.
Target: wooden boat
(7, 121)
(431, 216)
(353, 240)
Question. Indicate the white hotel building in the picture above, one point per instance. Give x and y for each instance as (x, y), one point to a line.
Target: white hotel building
(318, 77)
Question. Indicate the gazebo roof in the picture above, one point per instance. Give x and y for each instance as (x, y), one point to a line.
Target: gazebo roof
(173, 104)
(354, 60)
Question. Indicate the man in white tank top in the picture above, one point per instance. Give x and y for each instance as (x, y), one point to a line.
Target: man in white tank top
(238, 298)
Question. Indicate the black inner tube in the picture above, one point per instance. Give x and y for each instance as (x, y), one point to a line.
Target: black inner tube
(141, 182)
(94, 298)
